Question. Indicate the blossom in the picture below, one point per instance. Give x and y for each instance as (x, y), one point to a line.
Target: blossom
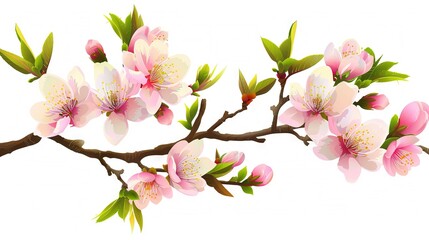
(67, 103)
(413, 118)
(164, 115)
(95, 51)
(235, 157)
(261, 175)
(401, 155)
(113, 96)
(150, 187)
(147, 35)
(351, 60)
(356, 144)
(373, 101)
(320, 97)
(185, 167)
(159, 75)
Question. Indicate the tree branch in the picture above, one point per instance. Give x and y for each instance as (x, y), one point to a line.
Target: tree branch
(226, 116)
(9, 147)
(425, 149)
(282, 101)
(197, 122)
(111, 171)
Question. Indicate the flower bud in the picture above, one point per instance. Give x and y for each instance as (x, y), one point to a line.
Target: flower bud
(236, 157)
(164, 115)
(261, 175)
(413, 118)
(247, 98)
(373, 101)
(95, 51)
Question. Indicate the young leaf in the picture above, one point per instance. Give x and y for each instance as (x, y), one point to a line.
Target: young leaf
(132, 218)
(136, 21)
(109, 211)
(18, 63)
(203, 73)
(287, 63)
(124, 208)
(188, 114)
(393, 123)
(384, 66)
(221, 169)
(285, 47)
(370, 52)
(132, 195)
(25, 48)
(247, 189)
(47, 49)
(292, 31)
(252, 84)
(215, 79)
(138, 215)
(126, 38)
(118, 25)
(273, 51)
(213, 182)
(114, 27)
(185, 124)
(264, 86)
(304, 63)
(388, 141)
(242, 174)
(242, 84)
(38, 63)
(193, 110)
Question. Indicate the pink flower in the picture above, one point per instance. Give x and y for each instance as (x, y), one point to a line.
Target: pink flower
(356, 145)
(164, 115)
(95, 51)
(401, 155)
(149, 187)
(147, 35)
(159, 75)
(414, 118)
(113, 96)
(373, 101)
(320, 97)
(185, 167)
(236, 157)
(351, 60)
(261, 175)
(67, 103)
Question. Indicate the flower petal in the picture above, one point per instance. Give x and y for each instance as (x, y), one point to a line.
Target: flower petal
(193, 149)
(84, 112)
(319, 88)
(293, 117)
(171, 71)
(328, 148)
(205, 165)
(297, 97)
(341, 98)
(39, 113)
(175, 93)
(54, 89)
(372, 161)
(134, 109)
(332, 57)
(115, 128)
(316, 127)
(60, 126)
(371, 135)
(78, 85)
(349, 167)
(348, 119)
(152, 99)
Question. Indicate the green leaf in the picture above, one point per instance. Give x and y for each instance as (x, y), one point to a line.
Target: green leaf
(292, 32)
(138, 215)
(109, 211)
(136, 21)
(388, 141)
(118, 25)
(188, 114)
(242, 84)
(25, 48)
(247, 189)
(193, 110)
(393, 123)
(127, 33)
(185, 124)
(213, 182)
(362, 84)
(273, 51)
(221, 169)
(124, 208)
(132, 218)
(114, 27)
(38, 63)
(384, 66)
(233, 179)
(242, 174)
(285, 48)
(370, 52)
(288, 62)
(264, 86)
(390, 79)
(132, 195)
(203, 73)
(33, 79)
(18, 63)
(304, 63)
(252, 84)
(47, 49)
(215, 79)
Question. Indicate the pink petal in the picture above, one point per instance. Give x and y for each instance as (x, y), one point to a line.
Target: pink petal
(78, 85)
(350, 47)
(115, 128)
(341, 98)
(172, 168)
(297, 97)
(293, 117)
(193, 149)
(316, 127)
(328, 148)
(343, 123)
(134, 109)
(372, 161)
(142, 203)
(135, 77)
(39, 113)
(52, 129)
(185, 188)
(406, 141)
(374, 133)
(175, 93)
(140, 33)
(45, 130)
(152, 99)
(158, 52)
(319, 87)
(332, 58)
(84, 112)
(349, 167)
(172, 70)
(140, 177)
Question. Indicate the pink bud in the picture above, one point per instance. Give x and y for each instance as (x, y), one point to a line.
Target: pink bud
(164, 115)
(414, 118)
(373, 101)
(261, 175)
(95, 51)
(236, 157)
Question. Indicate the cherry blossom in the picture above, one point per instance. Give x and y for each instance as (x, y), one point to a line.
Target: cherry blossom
(401, 155)
(413, 118)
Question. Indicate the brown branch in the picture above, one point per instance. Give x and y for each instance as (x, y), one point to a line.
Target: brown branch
(197, 122)
(9, 147)
(425, 149)
(282, 101)
(111, 171)
(226, 115)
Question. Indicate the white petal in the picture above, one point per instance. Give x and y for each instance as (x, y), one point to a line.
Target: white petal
(350, 118)
(171, 71)
(342, 97)
(316, 127)
(115, 128)
(372, 161)
(293, 117)
(54, 89)
(328, 148)
(297, 97)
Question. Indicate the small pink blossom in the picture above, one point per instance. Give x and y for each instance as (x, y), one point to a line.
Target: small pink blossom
(356, 144)
(113, 96)
(414, 118)
(401, 155)
(164, 115)
(373, 101)
(95, 51)
(320, 97)
(236, 157)
(261, 175)
(351, 59)
(150, 187)
(160, 76)
(185, 167)
(147, 35)
(67, 103)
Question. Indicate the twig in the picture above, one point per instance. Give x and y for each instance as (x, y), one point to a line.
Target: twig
(197, 122)
(282, 101)
(9, 147)
(226, 115)
(111, 171)
(425, 149)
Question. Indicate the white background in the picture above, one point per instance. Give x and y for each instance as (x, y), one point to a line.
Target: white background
(49, 192)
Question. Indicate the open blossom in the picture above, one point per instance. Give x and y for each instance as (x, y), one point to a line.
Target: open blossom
(356, 144)
(150, 187)
(67, 103)
(320, 97)
(414, 118)
(160, 76)
(351, 59)
(401, 155)
(236, 157)
(261, 175)
(147, 35)
(373, 101)
(185, 167)
(113, 96)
